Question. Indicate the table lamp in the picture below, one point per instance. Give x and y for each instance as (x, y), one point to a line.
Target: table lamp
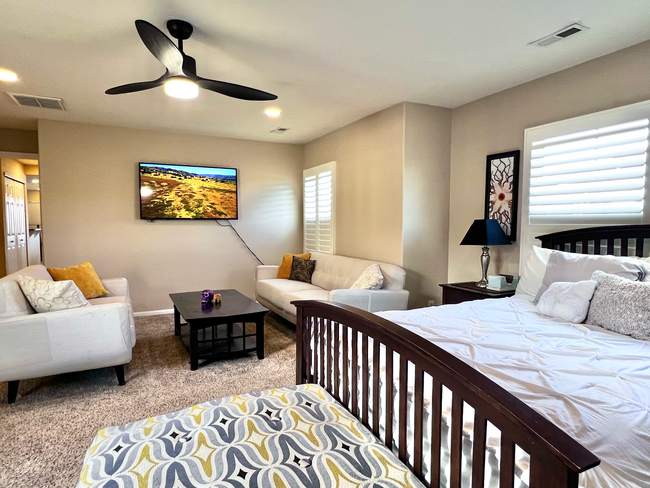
(485, 232)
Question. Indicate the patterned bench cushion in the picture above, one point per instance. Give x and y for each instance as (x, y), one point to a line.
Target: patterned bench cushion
(289, 437)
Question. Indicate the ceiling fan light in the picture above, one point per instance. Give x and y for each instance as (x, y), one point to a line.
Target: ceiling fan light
(181, 88)
(273, 112)
(7, 75)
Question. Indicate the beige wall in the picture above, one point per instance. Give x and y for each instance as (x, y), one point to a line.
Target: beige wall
(497, 123)
(90, 209)
(369, 160)
(19, 141)
(427, 153)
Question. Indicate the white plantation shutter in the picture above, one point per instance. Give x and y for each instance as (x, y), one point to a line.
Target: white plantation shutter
(587, 171)
(319, 208)
(590, 176)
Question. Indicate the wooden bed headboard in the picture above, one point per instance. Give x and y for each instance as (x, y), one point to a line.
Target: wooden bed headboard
(619, 240)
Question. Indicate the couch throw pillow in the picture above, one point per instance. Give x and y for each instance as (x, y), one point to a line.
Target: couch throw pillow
(287, 261)
(370, 279)
(84, 276)
(302, 269)
(51, 296)
(567, 301)
(621, 306)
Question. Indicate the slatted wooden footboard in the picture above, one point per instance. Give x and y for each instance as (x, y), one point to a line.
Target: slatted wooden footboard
(335, 341)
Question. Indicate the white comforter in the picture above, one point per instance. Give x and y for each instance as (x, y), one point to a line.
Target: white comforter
(593, 384)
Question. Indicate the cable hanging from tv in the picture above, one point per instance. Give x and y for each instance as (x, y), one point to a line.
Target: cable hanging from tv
(240, 238)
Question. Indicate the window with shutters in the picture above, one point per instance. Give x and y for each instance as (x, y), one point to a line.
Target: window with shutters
(319, 207)
(587, 171)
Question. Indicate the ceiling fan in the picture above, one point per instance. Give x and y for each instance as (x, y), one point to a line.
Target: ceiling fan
(180, 78)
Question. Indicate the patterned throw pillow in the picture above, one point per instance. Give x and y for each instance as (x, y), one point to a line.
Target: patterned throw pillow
(302, 269)
(284, 271)
(621, 306)
(51, 296)
(370, 279)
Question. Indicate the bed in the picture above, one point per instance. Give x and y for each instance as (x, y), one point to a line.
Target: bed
(465, 414)
(481, 394)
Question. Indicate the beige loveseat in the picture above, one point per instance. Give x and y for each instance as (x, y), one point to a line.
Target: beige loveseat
(43, 344)
(331, 281)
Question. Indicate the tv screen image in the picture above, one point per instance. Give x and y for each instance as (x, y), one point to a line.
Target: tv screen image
(173, 191)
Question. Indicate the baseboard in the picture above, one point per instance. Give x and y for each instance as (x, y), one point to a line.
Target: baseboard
(153, 312)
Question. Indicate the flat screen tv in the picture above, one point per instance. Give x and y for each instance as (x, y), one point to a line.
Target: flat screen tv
(174, 191)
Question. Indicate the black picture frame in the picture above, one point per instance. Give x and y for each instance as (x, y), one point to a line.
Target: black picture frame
(505, 176)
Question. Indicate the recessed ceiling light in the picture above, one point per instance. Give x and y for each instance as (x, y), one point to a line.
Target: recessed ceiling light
(273, 112)
(7, 75)
(35, 180)
(181, 88)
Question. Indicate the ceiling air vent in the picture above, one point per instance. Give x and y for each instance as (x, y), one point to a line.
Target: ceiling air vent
(568, 31)
(38, 102)
(279, 130)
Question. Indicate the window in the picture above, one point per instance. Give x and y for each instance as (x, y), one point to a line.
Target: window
(586, 171)
(319, 208)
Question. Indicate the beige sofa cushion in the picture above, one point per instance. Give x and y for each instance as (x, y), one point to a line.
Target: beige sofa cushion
(109, 299)
(317, 294)
(338, 272)
(37, 271)
(12, 300)
(274, 290)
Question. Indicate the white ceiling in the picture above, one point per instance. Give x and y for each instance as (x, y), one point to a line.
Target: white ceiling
(330, 62)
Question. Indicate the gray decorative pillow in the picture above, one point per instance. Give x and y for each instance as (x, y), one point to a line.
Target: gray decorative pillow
(571, 268)
(302, 269)
(621, 306)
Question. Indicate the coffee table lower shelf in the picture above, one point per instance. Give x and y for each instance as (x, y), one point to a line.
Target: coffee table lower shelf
(221, 347)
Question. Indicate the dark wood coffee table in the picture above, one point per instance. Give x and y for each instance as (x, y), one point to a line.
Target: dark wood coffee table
(215, 331)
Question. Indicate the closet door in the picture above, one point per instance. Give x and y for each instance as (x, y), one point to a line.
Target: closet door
(21, 223)
(15, 225)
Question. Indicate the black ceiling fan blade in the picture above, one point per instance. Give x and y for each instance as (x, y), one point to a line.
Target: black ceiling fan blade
(161, 47)
(136, 87)
(232, 90)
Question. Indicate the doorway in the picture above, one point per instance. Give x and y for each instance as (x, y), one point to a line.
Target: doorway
(21, 214)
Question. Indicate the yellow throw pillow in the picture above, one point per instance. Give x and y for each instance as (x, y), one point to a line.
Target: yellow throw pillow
(285, 268)
(84, 276)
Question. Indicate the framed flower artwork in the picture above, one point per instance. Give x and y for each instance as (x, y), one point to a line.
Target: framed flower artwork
(502, 190)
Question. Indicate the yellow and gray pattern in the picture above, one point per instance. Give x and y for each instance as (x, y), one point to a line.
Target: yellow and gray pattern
(297, 436)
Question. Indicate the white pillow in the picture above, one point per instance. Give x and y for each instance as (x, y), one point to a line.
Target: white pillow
(573, 267)
(51, 296)
(12, 301)
(370, 279)
(533, 272)
(567, 301)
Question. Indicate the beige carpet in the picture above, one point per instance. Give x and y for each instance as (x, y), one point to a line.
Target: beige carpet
(45, 434)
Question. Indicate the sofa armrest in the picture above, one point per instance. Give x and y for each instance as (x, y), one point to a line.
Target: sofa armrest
(116, 287)
(68, 340)
(266, 272)
(371, 300)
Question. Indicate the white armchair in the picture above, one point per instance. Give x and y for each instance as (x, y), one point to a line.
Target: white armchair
(331, 281)
(34, 345)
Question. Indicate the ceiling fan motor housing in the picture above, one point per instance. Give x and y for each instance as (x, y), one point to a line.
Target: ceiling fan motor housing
(179, 29)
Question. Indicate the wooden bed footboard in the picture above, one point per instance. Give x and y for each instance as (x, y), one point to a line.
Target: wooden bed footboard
(334, 341)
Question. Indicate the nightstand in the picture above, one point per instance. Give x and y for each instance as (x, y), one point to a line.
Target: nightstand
(464, 292)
